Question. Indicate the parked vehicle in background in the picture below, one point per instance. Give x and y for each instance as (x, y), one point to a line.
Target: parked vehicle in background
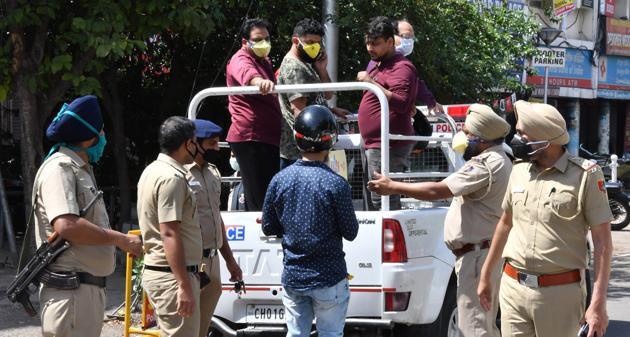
(618, 197)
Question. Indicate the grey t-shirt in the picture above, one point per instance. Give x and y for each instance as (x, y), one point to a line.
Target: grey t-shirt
(294, 71)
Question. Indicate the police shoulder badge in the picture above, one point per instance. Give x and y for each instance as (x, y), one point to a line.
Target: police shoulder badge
(601, 185)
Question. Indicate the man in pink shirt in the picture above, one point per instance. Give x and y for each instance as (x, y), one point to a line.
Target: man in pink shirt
(254, 135)
(397, 77)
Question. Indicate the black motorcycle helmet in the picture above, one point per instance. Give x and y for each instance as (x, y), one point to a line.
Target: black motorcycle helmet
(315, 129)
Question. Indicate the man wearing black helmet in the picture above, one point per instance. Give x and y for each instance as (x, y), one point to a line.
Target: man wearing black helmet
(310, 207)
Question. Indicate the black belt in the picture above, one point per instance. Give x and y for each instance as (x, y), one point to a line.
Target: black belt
(68, 280)
(87, 278)
(209, 253)
(190, 269)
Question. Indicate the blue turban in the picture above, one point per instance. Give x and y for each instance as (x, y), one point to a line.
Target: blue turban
(206, 129)
(78, 121)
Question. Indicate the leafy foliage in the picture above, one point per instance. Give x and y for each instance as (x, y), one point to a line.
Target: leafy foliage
(94, 34)
(157, 53)
(463, 51)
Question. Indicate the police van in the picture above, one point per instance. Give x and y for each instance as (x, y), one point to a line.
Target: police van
(402, 273)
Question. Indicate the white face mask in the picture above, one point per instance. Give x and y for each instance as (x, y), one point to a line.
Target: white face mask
(234, 164)
(405, 47)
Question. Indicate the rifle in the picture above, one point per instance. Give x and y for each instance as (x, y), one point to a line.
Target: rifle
(35, 270)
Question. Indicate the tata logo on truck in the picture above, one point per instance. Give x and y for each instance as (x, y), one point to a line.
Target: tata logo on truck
(235, 232)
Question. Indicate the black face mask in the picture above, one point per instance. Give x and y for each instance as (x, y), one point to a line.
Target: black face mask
(211, 156)
(304, 56)
(471, 151)
(520, 148)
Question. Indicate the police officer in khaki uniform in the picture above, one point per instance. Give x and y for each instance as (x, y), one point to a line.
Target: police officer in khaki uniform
(64, 186)
(552, 200)
(205, 180)
(167, 212)
(478, 189)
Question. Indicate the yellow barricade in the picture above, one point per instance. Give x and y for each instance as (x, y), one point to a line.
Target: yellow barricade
(147, 310)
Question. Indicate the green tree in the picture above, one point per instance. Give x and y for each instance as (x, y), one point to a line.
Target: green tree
(59, 49)
(463, 51)
(145, 58)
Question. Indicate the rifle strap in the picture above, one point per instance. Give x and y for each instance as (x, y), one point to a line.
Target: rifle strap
(27, 235)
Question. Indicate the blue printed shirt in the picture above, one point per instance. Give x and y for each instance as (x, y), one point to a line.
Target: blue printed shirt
(310, 206)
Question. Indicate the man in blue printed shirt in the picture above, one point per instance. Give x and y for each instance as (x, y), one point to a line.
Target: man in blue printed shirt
(310, 206)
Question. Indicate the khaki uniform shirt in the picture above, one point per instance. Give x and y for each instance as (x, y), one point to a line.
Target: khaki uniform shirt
(543, 239)
(164, 196)
(475, 210)
(65, 184)
(205, 182)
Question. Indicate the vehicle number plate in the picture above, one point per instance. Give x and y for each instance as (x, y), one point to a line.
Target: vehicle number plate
(265, 313)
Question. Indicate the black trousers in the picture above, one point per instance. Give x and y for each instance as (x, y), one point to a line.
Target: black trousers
(258, 163)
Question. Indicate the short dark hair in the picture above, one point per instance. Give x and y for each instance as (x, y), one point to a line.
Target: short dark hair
(250, 24)
(174, 132)
(308, 26)
(380, 26)
(397, 22)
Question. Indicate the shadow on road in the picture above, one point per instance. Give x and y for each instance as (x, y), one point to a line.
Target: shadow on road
(618, 329)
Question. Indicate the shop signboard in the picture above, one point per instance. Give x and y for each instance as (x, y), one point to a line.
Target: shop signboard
(561, 7)
(614, 77)
(607, 7)
(576, 73)
(617, 37)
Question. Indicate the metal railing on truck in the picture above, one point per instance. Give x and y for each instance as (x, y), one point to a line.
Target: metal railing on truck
(341, 86)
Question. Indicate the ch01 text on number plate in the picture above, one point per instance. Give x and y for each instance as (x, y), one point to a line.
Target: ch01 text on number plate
(265, 313)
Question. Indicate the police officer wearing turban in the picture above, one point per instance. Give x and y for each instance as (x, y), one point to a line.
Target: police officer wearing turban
(205, 180)
(553, 199)
(478, 189)
(65, 185)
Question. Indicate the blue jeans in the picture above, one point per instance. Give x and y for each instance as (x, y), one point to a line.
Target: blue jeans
(328, 305)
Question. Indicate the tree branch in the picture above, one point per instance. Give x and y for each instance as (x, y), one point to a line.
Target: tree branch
(39, 43)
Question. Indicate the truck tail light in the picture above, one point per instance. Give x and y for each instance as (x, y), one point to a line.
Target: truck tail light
(397, 301)
(394, 247)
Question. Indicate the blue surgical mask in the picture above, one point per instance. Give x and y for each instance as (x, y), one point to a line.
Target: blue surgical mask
(405, 47)
(94, 152)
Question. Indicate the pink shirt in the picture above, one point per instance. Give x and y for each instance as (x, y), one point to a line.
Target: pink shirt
(254, 117)
(398, 75)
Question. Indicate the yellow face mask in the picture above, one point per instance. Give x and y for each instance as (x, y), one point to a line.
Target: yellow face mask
(260, 48)
(311, 49)
(460, 142)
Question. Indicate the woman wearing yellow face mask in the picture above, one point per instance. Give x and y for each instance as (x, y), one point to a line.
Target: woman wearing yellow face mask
(254, 135)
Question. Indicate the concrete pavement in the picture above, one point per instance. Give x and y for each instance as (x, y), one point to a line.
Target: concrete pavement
(618, 304)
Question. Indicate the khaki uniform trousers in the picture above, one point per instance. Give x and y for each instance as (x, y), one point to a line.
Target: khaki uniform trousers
(161, 287)
(472, 320)
(209, 296)
(541, 312)
(68, 313)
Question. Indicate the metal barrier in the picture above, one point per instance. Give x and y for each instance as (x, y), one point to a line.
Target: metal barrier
(340, 86)
(128, 329)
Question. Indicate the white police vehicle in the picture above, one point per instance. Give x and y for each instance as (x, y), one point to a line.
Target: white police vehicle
(403, 277)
